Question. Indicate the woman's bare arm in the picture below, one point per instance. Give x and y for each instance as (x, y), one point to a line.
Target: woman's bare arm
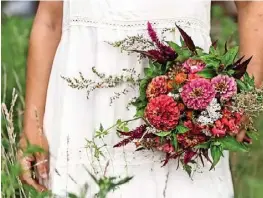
(44, 39)
(250, 21)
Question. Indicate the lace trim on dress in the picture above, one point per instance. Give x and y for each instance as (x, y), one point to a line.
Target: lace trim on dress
(141, 24)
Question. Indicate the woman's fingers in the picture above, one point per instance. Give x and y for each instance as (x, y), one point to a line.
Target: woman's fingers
(26, 176)
(42, 165)
(240, 136)
(30, 181)
(242, 133)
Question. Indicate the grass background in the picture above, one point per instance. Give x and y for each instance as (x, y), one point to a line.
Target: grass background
(246, 168)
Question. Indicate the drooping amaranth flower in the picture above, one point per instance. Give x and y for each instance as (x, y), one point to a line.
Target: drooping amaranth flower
(157, 87)
(198, 93)
(163, 113)
(224, 86)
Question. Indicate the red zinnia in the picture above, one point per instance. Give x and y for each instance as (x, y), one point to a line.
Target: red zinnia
(163, 113)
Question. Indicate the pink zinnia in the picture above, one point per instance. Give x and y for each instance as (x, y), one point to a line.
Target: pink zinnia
(197, 94)
(163, 113)
(225, 86)
(158, 86)
(193, 66)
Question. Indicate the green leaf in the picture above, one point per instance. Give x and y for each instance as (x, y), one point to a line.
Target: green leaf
(174, 46)
(148, 71)
(163, 133)
(139, 113)
(216, 154)
(188, 169)
(229, 57)
(181, 129)
(230, 72)
(231, 144)
(249, 81)
(185, 54)
(143, 85)
(210, 60)
(204, 145)
(119, 122)
(207, 73)
(174, 141)
(71, 195)
(241, 85)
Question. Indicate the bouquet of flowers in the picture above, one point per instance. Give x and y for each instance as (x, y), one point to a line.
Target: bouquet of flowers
(191, 101)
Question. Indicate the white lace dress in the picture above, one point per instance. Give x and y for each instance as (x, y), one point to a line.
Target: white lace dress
(71, 119)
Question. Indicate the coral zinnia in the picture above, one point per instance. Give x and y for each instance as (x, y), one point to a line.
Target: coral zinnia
(197, 94)
(180, 78)
(157, 86)
(225, 86)
(163, 113)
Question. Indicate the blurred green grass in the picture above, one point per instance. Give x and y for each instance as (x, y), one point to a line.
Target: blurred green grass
(246, 168)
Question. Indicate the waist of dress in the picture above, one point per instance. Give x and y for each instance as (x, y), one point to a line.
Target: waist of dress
(167, 23)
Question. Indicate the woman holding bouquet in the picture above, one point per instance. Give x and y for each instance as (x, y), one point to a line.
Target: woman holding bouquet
(73, 36)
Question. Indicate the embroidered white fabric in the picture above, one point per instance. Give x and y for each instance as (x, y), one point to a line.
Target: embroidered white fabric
(70, 119)
(138, 25)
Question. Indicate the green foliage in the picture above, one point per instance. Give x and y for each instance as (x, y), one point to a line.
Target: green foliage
(216, 153)
(154, 69)
(183, 53)
(231, 144)
(174, 141)
(163, 133)
(229, 57)
(247, 83)
(181, 129)
(207, 73)
(205, 145)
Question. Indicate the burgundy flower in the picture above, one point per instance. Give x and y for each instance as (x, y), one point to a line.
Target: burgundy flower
(187, 140)
(163, 113)
(167, 148)
(137, 133)
(193, 127)
(188, 156)
(164, 53)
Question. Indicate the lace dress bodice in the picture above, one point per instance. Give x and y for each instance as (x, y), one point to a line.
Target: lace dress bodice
(130, 15)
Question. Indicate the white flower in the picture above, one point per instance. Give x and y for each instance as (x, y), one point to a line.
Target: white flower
(211, 114)
(206, 132)
(151, 130)
(175, 96)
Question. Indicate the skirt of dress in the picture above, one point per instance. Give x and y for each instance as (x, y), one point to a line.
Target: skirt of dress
(71, 120)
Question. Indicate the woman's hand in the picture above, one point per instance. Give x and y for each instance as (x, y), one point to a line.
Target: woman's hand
(37, 160)
(241, 136)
